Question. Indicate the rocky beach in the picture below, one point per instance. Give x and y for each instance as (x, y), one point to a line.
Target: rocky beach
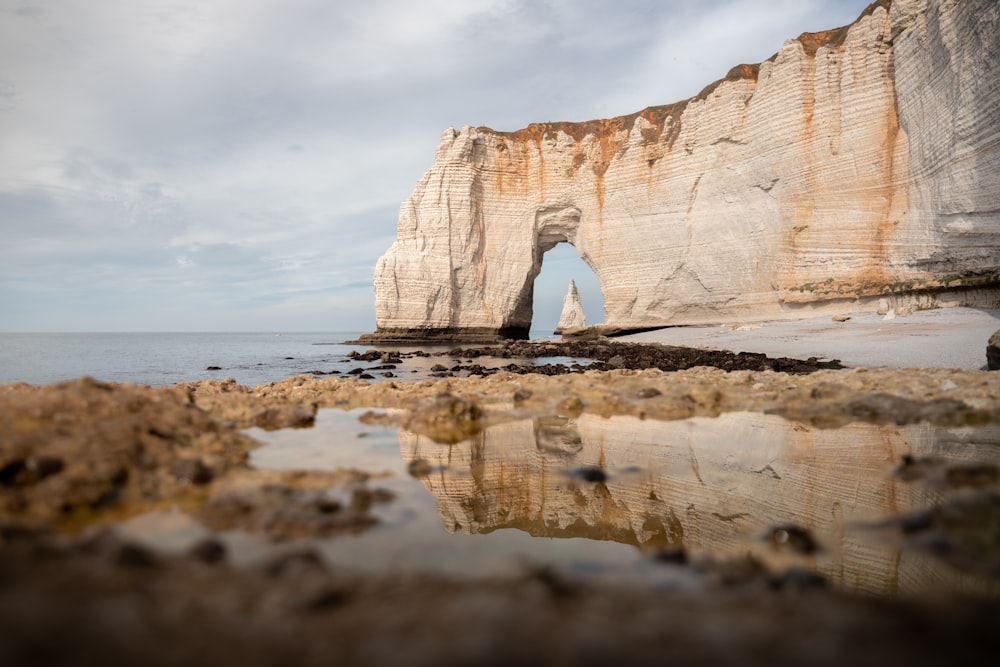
(752, 576)
(781, 447)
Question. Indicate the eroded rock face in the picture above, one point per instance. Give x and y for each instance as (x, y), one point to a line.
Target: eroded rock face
(855, 164)
(572, 316)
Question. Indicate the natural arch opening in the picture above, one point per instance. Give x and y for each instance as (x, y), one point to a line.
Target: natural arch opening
(559, 265)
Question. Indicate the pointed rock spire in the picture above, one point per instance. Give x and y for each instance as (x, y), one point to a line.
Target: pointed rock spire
(572, 316)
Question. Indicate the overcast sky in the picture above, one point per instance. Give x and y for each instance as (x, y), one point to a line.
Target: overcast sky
(238, 166)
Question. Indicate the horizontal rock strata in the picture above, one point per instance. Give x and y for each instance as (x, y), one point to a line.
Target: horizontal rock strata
(855, 164)
(572, 316)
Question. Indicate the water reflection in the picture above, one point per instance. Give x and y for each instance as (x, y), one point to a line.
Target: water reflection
(736, 484)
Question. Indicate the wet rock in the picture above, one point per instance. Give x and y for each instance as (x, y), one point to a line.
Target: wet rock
(608, 355)
(419, 468)
(964, 531)
(293, 416)
(213, 368)
(521, 395)
(72, 451)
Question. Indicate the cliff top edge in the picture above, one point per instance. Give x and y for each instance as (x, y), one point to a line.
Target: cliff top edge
(657, 115)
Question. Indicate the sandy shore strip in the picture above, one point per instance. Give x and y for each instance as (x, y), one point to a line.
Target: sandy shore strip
(942, 338)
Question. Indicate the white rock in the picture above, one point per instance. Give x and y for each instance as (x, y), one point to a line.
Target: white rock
(853, 164)
(572, 316)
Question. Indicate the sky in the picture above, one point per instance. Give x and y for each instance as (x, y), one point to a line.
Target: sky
(173, 165)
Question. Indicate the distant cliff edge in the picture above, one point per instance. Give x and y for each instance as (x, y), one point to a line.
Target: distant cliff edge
(855, 166)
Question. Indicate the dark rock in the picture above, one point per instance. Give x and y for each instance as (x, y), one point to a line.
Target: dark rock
(796, 580)
(591, 474)
(214, 368)
(363, 498)
(993, 352)
(674, 555)
(419, 468)
(31, 470)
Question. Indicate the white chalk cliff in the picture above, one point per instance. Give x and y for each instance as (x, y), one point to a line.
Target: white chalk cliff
(855, 164)
(572, 316)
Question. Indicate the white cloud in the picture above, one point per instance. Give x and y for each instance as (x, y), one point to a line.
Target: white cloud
(191, 165)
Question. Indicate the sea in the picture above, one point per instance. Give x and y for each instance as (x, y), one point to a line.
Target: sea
(159, 359)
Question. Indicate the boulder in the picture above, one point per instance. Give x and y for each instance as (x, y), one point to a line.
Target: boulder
(993, 352)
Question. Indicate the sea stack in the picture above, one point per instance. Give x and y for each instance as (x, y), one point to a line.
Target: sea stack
(572, 316)
(854, 166)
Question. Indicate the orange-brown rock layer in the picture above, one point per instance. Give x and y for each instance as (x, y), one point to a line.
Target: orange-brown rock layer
(855, 163)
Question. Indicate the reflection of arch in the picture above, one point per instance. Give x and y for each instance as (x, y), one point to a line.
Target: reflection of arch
(713, 486)
(553, 225)
(557, 435)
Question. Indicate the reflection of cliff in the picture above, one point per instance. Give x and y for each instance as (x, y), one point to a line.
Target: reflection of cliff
(711, 485)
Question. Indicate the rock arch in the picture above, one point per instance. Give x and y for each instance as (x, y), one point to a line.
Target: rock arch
(855, 165)
(552, 225)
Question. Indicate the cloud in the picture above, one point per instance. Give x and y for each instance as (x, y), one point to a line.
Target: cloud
(225, 165)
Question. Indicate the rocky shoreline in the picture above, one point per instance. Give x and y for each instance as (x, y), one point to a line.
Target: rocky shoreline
(79, 457)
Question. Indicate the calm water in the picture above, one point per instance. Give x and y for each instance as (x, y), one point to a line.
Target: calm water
(164, 358)
(718, 488)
